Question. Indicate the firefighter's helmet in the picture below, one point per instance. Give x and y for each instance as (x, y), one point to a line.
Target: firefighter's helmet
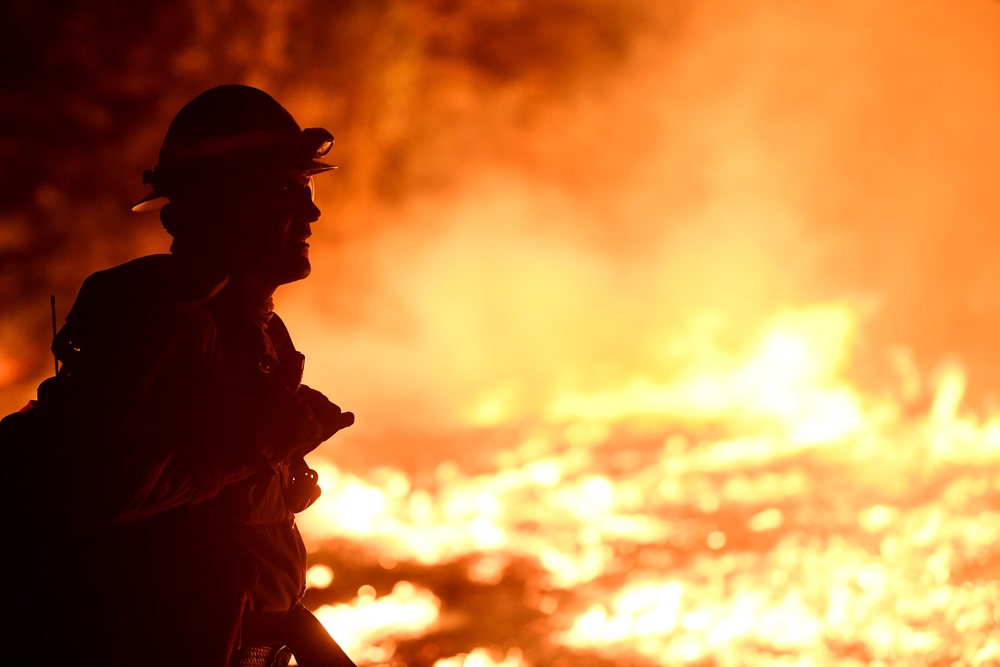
(232, 133)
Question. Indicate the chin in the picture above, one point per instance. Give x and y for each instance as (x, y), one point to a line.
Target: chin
(299, 271)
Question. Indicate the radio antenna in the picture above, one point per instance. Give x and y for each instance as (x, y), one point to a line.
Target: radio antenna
(52, 303)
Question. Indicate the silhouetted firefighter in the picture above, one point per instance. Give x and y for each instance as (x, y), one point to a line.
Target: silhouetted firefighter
(154, 482)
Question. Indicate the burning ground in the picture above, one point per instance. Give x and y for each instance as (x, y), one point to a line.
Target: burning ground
(798, 523)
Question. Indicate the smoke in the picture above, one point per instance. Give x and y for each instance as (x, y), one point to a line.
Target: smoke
(756, 157)
(542, 197)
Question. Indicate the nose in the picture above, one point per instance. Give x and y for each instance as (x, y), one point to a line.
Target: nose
(310, 212)
(306, 209)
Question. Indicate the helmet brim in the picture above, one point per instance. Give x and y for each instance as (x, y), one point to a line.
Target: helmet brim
(155, 199)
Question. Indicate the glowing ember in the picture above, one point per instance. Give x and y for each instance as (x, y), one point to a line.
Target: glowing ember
(319, 576)
(368, 627)
(481, 657)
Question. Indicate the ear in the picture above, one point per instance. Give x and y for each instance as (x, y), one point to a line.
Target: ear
(168, 219)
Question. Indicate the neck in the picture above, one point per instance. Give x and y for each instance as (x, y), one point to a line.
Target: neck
(258, 287)
(254, 295)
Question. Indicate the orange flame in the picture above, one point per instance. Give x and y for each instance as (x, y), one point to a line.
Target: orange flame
(743, 504)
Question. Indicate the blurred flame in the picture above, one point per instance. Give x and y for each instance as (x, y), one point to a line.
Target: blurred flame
(10, 368)
(740, 502)
(481, 657)
(319, 576)
(791, 378)
(367, 627)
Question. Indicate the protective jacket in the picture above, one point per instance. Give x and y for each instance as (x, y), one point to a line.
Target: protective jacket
(167, 442)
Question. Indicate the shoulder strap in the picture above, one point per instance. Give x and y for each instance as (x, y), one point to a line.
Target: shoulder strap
(278, 332)
(291, 362)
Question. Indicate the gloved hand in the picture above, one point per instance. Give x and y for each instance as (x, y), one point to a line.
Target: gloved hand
(329, 415)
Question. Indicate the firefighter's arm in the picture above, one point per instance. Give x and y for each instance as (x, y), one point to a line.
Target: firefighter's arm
(168, 428)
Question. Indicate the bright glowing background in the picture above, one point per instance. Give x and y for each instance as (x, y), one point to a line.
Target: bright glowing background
(757, 157)
(670, 327)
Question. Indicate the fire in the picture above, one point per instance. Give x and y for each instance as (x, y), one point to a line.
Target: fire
(9, 369)
(480, 657)
(790, 378)
(367, 628)
(795, 524)
(595, 278)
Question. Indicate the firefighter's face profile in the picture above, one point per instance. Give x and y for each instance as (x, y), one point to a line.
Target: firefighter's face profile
(273, 219)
